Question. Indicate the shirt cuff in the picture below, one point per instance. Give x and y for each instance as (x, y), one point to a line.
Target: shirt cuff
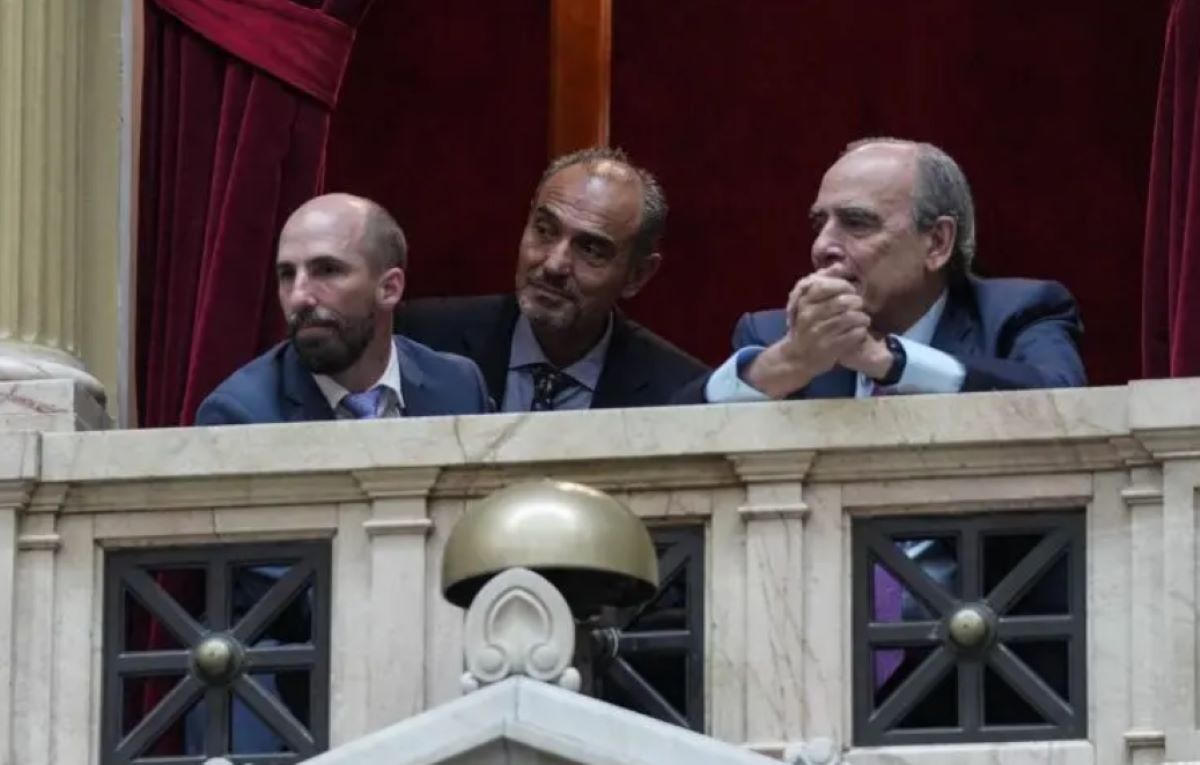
(726, 386)
(928, 370)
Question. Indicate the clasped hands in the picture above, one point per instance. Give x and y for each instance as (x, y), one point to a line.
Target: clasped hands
(826, 326)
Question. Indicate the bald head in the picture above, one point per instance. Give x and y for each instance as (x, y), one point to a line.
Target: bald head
(938, 186)
(614, 165)
(350, 224)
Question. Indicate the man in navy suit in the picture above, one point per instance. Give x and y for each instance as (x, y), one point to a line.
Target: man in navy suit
(341, 274)
(892, 307)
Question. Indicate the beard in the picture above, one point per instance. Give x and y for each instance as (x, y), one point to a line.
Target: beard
(337, 351)
(553, 313)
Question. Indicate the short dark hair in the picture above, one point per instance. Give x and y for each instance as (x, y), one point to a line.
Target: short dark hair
(941, 190)
(654, 201)
(383, 241)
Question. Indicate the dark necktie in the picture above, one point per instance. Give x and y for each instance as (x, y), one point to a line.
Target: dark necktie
(548, 382)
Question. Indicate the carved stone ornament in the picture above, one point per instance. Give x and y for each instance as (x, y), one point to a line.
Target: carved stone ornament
(519, 624)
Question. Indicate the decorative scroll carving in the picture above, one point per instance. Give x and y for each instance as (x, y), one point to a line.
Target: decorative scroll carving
(519, 624)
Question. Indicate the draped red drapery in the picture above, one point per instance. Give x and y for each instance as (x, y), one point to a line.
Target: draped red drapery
(236, 101)
(1171, 258)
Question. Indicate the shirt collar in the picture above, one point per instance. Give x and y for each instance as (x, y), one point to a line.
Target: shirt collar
(334, 392)
(923, 330)
(526, 352)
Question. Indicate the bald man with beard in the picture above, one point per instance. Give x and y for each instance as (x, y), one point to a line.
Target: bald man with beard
(340, 267)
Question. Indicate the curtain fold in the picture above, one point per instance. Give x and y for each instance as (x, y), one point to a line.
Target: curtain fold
(235, 116)
(1171, 256)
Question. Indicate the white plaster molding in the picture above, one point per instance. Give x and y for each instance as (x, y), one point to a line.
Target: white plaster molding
(942, 461)
(606, 475)
(204, 493)
(780, 511)
(402, 526)
(1144, 739)
(519, 624)
(772, 467)
(397, 483)
(15, 495)
(1140, 496)
(1170, 443)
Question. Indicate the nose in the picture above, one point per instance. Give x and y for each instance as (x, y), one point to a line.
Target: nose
(298, 294)
(558, 257)
(827, 249)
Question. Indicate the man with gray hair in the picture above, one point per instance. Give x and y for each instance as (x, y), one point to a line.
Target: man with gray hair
(892, 306)
(559, 341)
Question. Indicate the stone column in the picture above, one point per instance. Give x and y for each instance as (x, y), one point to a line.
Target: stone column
(42, 125)
(775, 514)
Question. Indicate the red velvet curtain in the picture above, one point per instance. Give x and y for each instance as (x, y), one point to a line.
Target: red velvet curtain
(740, 106)
(236, 101)
(1171, 259)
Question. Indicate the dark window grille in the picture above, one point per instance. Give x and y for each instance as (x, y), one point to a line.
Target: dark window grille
(969, 628)
(658, 669)
(266, 605)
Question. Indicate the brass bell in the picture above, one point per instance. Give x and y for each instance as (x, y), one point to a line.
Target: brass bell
(590, 546)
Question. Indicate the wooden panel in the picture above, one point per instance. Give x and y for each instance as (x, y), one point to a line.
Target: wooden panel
(580, 73)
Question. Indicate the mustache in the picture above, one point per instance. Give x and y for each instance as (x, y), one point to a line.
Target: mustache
(314, 316)
(562, 289)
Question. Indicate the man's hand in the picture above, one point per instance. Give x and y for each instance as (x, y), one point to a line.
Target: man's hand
(871, 357)
(825, 322)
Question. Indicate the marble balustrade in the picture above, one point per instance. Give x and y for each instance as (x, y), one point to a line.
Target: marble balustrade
(775, 484)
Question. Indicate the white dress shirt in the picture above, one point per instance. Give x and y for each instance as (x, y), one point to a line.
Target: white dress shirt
(391, 403)
(927, 370)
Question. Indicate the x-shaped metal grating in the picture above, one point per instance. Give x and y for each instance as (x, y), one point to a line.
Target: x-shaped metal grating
(264, 608)
(969, 628)
(658, 669)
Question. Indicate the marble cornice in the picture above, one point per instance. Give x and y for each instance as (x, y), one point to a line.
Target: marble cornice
(995, 434)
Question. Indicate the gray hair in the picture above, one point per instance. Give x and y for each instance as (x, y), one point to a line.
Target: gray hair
(654, 200)
(941, 190)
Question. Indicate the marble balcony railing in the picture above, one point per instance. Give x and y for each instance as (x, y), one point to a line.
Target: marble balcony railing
(777, 489)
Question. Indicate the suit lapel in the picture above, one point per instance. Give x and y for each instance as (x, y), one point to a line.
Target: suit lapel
(420, 398)
(302, 399)
(957, 331)
(489, 342)
(619, 380)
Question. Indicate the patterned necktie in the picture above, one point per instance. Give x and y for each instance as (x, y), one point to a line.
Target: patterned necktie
(548, 382)
(365, 405)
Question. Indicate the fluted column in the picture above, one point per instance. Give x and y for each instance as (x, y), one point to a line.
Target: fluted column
(42, 49)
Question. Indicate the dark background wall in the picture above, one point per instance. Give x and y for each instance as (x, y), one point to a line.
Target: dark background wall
(740, 106)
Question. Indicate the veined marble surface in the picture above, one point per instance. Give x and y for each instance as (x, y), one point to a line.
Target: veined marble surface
(1079, 419)
(49, 405)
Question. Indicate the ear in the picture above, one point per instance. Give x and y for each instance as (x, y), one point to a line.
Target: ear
(390, 288)
(941, 239)
(640, 274)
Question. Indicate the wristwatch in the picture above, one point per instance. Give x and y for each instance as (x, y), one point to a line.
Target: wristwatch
(899, 360)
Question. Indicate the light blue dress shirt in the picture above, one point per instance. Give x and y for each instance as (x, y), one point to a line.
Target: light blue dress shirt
(927, 369)
(525, 353)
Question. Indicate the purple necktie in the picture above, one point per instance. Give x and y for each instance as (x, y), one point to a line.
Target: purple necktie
(365, 405)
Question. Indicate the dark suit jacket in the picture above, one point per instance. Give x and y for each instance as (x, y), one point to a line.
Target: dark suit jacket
(276, 387)
(640, 369)
(1009, 334)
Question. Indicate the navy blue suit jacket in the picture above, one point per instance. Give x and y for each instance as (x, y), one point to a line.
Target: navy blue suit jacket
(1009, 334)
(276, 387)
